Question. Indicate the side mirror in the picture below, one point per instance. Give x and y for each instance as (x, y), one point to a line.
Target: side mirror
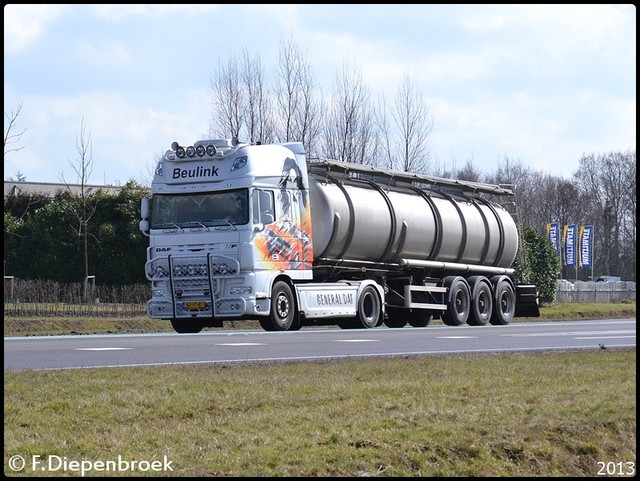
(144, 208)
(144, 226)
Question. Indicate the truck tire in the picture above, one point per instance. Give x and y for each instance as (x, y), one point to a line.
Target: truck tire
(459, 301)
(186, 326)
(283, 315)
(481, 301)
(505, 301)
(369, 308)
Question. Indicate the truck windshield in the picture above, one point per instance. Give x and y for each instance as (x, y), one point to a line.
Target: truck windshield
(200, 209)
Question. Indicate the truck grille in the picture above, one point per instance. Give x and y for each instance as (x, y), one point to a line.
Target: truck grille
(196, 283)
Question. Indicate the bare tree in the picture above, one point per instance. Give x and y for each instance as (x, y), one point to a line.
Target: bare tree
(85, 207)
(540, 198)
(227, 118)
(241, 105)
(298, 114)
(349, 133)
(11, 136)
(256, 101)
(408, 150)
(288, 89)
(630, 219)
(468, 172)
(606, 183)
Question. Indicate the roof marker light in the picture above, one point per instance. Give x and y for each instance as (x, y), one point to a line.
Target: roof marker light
(239, 163)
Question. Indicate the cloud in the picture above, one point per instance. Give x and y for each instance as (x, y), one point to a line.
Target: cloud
(26, 24)
(540, 83)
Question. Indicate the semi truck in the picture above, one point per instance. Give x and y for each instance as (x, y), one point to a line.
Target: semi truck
(251, 231)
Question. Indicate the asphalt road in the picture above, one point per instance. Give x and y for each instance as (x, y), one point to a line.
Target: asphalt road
(223, 347)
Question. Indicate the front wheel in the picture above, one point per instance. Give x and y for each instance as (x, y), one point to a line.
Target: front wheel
(283, 315)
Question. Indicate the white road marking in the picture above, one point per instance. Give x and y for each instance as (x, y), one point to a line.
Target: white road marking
(607, 337)
(103, 348)
(357, 340)
(241, 344)
(456, 337)
(553, 334)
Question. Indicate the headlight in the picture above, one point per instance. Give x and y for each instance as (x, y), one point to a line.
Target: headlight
(159, 271)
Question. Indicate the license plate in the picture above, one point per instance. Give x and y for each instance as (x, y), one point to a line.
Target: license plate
(195, 305)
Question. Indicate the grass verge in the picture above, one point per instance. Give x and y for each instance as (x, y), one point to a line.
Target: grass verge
(550, 414)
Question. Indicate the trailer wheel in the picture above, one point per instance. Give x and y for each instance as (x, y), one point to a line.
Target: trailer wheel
(505, 301)
(481, 301)
(420, 318)
(459, 301)
(283, 309)
(186, 326)
(369, 308)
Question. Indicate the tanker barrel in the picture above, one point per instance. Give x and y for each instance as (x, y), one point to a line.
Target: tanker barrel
(356, 219)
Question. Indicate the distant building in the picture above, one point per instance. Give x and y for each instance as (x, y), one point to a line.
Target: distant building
(12, 188)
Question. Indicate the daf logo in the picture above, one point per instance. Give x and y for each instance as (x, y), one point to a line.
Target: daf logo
(163, 249)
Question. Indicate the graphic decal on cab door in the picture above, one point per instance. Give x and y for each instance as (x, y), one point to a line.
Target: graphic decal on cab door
(286, 243)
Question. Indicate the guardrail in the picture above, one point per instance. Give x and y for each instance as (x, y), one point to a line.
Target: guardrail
(589, 291)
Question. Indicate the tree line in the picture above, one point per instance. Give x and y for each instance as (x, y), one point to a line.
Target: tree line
(45, 236)
(65, 238)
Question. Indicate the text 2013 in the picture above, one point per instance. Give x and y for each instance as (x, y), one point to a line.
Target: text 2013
(620, 468)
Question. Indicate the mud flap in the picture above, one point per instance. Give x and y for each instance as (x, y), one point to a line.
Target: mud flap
(527, 301)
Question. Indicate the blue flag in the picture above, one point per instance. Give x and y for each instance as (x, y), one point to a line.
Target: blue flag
(553, 231)
(570, 245)
(586, 236)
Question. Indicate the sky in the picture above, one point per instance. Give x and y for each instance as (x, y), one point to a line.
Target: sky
(541, 85)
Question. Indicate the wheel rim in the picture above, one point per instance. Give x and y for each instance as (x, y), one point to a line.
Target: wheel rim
(282, 306)
(506, 303)
(460, 303)
(483, 304)
(368, 307)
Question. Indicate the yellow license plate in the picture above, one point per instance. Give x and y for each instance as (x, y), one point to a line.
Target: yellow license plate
(195, 305)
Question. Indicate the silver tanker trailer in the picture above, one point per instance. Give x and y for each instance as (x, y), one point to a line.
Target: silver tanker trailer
(241, 231)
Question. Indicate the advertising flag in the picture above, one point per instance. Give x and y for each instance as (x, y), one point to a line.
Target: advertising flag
(553, 232)
(586, 236)
(570, 245)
